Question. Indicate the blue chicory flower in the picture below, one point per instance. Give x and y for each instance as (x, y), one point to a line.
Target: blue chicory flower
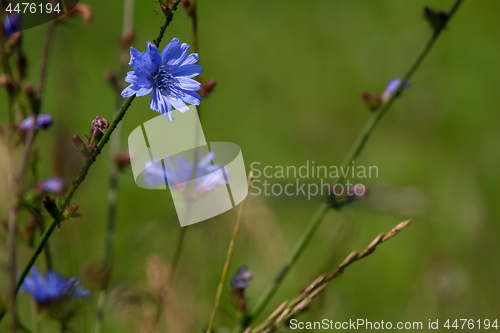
(52, 287)
(54, 185)
(180, 174)
(12, 24)
(43, 121)
(392, 86)
(168, 75)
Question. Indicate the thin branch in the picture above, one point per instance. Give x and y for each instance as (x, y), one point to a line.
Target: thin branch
(286, 310)
(353, 153)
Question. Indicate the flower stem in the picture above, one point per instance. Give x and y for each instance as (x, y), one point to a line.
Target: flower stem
(229, 256)
(353, 153)
(90, 160)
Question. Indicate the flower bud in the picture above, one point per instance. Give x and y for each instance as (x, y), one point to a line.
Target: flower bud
(436, 19)
(99, 126)
(122, 160)
(79, 144)
(70, 212)
(50, 205)
(207, 87)
(239, 283)
(371, 102)
(127, 40)
(186, 4)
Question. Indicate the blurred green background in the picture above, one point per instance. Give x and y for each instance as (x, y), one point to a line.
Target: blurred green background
(289, 76)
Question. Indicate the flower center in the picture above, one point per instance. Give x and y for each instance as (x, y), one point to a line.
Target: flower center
(161, 78)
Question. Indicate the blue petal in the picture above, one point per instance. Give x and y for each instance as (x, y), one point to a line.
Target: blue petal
(130, 90)
(154, 54)
(154, 105)
(189, 84)
(178, 104)
(165, 54)
(190, 97)
(143, 91)
(177, 55)
(191, 59)
(138, 80)
(136, 62)
(188, 71)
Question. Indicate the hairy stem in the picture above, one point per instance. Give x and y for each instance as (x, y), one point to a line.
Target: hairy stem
(353, 153)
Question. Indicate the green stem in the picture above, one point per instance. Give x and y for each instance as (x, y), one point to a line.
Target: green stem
(353, 153)
(90, 160)
(229, 256)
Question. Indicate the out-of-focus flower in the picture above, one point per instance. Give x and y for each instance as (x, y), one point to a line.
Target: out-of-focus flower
(12, 24)
(239, 283)
(52, 287)
(241, 278)
(43, 121)
(122, 160)
(181, 173)
(99, 126)
(53, 185)
(167, 75)
(392, 87)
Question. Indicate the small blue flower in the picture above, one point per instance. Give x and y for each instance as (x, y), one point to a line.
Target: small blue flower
(54, 185)
(52, 287)
(167, 75)
(12, 24)
(43, 121)
(392, 86)
(242, 277)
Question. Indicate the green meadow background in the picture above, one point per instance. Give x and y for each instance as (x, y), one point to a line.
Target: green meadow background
(289, 76)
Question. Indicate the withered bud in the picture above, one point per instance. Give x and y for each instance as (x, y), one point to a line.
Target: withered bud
(436, 18)
(207, 87)
(99, 126)
(186, 4)
(127, 40)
